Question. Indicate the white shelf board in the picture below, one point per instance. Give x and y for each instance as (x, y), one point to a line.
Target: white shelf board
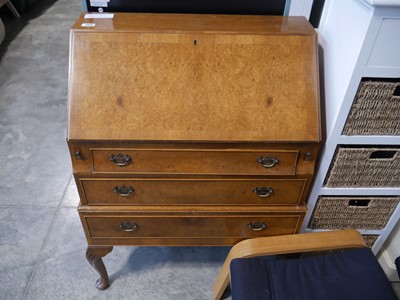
(383, 2)
(362, 231)
(369, 140)
(381, 72)
(375, 191)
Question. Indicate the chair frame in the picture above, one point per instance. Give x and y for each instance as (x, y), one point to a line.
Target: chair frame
(286, 244)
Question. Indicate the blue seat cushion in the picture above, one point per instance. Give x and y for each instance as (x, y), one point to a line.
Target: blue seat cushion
(352, 274)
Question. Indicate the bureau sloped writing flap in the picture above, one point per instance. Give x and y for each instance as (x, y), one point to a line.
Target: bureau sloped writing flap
(129, 83)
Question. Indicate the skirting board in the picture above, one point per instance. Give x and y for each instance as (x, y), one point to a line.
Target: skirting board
(388, 266)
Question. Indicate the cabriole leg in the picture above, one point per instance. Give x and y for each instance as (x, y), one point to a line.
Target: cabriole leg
(93, 256)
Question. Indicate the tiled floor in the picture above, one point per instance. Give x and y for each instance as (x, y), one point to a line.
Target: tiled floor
(42, 244)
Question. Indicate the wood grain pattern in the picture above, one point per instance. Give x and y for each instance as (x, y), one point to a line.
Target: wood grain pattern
(191, 227)
(85, 164)
(130, 85)
(195, 101)
(185, 225)
(193, 210)
(166, 191)
(184, 23)
(190, 161)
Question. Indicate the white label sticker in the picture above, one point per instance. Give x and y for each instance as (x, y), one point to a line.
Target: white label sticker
(99, 16)
(98, 4)
(88, 24)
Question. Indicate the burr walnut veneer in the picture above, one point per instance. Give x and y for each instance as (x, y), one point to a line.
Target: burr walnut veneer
(191, 129)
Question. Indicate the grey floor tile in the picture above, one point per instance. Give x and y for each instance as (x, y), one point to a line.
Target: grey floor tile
(135, 272)
(37, 91)
(66, 237)
(48, 29)
(36, 180)
(64, 9)
(22, 234)
(33, 81)
(71, 196)
(170, 279)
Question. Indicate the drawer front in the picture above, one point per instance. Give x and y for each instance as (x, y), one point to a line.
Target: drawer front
(131, 227)
(186, 161)
(192, 191)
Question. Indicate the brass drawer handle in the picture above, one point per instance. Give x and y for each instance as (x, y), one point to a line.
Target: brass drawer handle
(120, 160)
(123, 191)
(258, 226)
(128, 227)
(268, 161)
(263, 192)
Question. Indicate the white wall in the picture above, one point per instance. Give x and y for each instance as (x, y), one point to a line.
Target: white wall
(300, 8)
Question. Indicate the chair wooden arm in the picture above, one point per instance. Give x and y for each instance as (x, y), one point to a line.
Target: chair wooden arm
(286, 244)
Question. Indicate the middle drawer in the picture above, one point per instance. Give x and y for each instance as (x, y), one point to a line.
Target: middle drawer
(166, 191)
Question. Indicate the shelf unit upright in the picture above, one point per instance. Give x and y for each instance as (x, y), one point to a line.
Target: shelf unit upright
(359, 46)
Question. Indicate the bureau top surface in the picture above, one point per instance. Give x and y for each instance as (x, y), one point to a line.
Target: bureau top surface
(204, 23)
(171, 77)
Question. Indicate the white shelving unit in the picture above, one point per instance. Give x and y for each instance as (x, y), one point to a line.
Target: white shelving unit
(358, 39)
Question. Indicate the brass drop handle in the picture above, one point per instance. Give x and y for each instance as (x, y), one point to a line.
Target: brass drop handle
(128, 227)
(257, 226)
(268, 161)
(263, 192)
(120, 160)
(123, 191)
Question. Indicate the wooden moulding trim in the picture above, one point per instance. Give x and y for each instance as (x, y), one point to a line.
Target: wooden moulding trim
(189, 210)
(215, 23)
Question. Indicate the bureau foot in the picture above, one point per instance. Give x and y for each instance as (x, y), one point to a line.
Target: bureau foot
(93, 256)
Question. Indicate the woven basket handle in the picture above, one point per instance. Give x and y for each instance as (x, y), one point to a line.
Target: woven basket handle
(396, 91)
(383, 154)
(362, 203)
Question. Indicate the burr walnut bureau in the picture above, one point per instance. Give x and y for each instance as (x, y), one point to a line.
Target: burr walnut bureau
(191, 129)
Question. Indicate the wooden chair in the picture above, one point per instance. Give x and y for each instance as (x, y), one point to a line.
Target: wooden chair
(270, 246)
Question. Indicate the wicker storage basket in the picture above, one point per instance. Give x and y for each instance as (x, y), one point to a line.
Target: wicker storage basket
(370, 213)
(365, 167)
(370, 240)
(375, 110)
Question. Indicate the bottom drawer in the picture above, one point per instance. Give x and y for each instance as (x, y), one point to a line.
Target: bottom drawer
(185, 229)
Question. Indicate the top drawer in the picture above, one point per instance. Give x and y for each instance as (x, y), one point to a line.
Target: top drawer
(194, 161)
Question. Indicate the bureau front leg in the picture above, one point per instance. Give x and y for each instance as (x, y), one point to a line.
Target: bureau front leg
(93, 256)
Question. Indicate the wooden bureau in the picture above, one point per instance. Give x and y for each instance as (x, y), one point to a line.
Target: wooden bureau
(191, 129)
